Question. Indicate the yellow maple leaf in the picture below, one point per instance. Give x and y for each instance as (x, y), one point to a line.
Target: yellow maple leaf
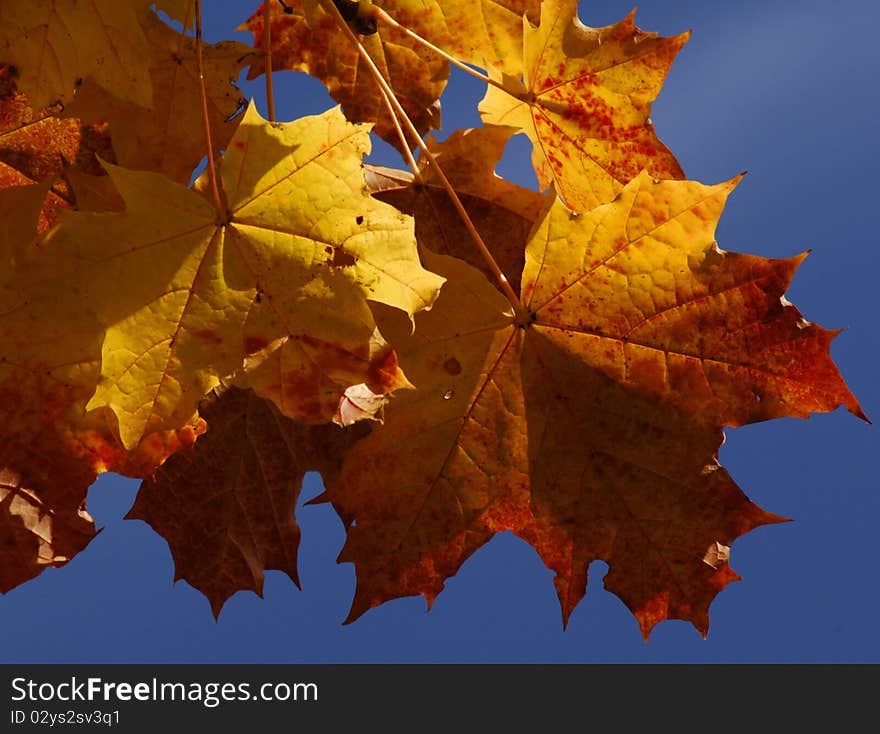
(287, 265)
(161, 138)
(486, 32)
(51, 450)
(54, 45)
(584, 102)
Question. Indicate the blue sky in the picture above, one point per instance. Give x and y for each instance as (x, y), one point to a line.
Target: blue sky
(786, 90)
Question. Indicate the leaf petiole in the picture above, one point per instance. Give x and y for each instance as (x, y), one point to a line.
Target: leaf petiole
(385, 18)
(404, 145)
(212, 170)
(267, 45)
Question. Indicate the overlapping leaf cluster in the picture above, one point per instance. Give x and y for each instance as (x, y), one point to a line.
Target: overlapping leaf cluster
(216, 342)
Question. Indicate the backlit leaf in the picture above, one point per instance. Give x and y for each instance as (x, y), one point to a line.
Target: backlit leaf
(584, 102)
(185, 298)
(55, 45)
(162, 137)
(589, 427)
(312, 42)
(38, 145)
(226, 506)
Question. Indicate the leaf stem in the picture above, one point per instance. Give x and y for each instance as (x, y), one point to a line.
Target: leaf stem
(407, 153)
(385, 18)
(331, 8)
(267, 50)
(212, 170)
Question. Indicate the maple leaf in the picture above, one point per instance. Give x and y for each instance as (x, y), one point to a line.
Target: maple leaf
(303, 41)
(161, 138)
(584, 103)
(37, 145)
(483, 32)
(52, 452)
(487, 33)
(37, 532)
(591, 427)
(586, 419)
(286, 267)
(502, 212)
(50, 449)
(226, 506)
(94, 193)
(56, 45)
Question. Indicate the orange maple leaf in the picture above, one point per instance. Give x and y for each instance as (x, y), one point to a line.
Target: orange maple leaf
(312, 42)
(38, 145)
(590, 427)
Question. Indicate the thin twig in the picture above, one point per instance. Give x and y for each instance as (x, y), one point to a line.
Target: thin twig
(385, 18)
(212, 170)
(267, 50)
(404, 145)
(331, 8)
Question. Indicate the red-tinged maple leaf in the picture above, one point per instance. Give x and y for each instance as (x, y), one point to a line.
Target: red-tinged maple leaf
(51, 451)
(589, 425)
(38, 146)
(226, 506)
(584, 102)
(312, 42)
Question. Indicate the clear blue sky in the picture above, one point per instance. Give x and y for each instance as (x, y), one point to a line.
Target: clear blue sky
(786, 90)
